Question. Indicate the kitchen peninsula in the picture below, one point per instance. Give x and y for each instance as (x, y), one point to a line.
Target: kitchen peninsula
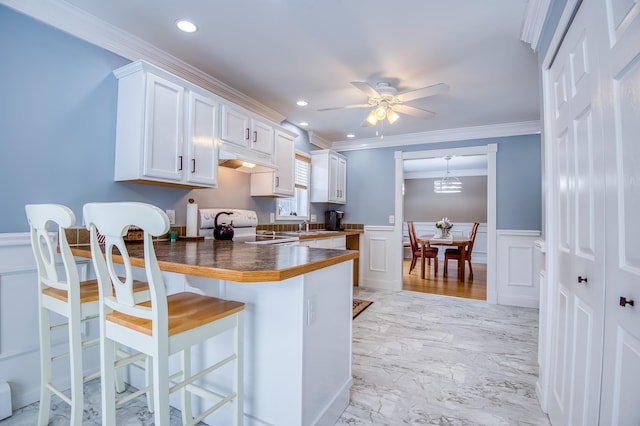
(297, 321)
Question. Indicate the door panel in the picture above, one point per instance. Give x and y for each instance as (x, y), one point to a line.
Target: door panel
(621, 79)
(578, 169)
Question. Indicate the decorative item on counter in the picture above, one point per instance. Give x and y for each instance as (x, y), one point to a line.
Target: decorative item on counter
(444, 226)
(192, 222)
(222, 231)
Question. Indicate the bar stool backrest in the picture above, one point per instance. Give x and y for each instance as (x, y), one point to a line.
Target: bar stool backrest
(113, 221)
(41, 217)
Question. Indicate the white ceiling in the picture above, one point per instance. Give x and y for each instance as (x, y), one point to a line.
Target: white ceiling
(280, 51)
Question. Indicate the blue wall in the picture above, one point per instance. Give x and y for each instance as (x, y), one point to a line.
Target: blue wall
(57, 143)
(371, 185)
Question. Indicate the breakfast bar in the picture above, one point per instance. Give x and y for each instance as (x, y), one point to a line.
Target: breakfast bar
(297, 322)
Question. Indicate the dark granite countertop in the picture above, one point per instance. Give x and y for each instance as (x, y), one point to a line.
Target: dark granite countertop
(234, 260)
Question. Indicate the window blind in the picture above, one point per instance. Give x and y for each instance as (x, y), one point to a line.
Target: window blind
(303, 167)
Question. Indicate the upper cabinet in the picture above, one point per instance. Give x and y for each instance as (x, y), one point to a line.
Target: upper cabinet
(166, 129)
(328, 177)
(246, 135)
(281, 182)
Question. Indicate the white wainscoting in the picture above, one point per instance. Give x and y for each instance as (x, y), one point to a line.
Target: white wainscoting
(518, 283)
(462, 229)
(379, 267)
(19, 344)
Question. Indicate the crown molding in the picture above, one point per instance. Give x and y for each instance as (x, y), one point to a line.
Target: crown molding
(318, 140)
(78, 23)
(448, 135)
(533, 23)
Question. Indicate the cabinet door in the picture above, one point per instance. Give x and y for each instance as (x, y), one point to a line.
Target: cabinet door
(334, 167)
(235, 127)
(285, 160)
(261, 137)
(202, 164)
(342, 180)
(163, 129)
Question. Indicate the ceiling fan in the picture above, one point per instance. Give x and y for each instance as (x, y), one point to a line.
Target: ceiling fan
(387, 102)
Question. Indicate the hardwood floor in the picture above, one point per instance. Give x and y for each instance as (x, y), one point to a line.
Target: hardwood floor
(449, 286)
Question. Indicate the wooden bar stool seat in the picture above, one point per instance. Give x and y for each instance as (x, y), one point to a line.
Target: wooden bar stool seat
(164, 324)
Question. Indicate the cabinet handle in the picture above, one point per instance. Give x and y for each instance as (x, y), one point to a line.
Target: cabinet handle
(582, 280)
(255, 136)
(624, 302)
(247, 137)
(193, 165)
(277, 181)
(180, 167)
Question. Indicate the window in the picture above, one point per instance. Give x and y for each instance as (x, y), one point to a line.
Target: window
(297, 207)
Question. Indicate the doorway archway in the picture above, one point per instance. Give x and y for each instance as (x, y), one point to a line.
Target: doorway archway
(489, 150)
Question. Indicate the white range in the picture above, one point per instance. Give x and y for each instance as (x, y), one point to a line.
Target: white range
(244, 224)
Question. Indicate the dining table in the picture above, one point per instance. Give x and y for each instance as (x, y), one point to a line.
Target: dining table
(454, 240)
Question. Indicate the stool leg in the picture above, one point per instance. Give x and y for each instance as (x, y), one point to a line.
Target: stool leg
(120, 386)
(161, 385)
(45, 368)
(186, 395)
(75, 364)
(148, 379)
(238, 376)
(107, 361)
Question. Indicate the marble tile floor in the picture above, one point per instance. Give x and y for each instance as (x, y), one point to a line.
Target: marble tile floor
(417, 359)
(426, 359)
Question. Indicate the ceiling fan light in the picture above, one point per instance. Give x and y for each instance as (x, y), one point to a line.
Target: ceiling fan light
(392, 116)
(371, 118)
(380, 112)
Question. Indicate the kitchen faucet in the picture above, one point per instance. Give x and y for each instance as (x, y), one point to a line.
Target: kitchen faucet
(306, 223)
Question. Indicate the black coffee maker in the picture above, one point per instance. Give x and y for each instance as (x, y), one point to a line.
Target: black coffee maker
(332, 219)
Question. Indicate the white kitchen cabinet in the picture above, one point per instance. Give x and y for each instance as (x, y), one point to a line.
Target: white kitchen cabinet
(328, 177)
(328, 243)
(246, 136)
(166, 129)
(281, 182)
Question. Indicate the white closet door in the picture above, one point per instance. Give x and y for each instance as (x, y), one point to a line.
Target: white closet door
(621, 368)
(579, 242)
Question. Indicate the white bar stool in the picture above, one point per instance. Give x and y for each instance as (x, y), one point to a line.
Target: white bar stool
(161, 326)
(67, 296)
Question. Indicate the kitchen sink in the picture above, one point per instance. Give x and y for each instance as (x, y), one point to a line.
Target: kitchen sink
(311, 232)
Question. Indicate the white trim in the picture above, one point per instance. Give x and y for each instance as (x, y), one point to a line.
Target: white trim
(517, 233)
(447, 135)
(489, 150)
(78, 23)
(534, 21)
(318, 141)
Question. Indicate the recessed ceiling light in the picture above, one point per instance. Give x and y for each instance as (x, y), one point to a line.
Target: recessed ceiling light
(351, 135)
(302, 103)
(186, 26)
(303, 123)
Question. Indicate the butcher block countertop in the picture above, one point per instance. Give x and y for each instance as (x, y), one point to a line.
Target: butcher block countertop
(234, 261)
(314, 234)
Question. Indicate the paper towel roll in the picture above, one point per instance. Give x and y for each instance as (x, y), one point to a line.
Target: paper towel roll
(192, 220)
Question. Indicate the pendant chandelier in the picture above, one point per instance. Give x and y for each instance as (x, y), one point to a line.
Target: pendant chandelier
(449, 184)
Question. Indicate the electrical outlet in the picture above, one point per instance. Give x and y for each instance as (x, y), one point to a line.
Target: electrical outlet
(172, 217)
(392, 219)
(314, 218)
(272, 217)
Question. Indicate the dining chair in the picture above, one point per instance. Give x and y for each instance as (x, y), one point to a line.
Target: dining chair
(163, 325)
(455, 254)
(67, 296)
(416, 253)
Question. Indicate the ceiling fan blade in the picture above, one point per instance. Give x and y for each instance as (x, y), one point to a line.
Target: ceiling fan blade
(366, 88)
(416, 112)
(425, 92)
(347, 107)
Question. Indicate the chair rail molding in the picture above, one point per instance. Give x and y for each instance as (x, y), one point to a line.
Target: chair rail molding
(518, 283)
